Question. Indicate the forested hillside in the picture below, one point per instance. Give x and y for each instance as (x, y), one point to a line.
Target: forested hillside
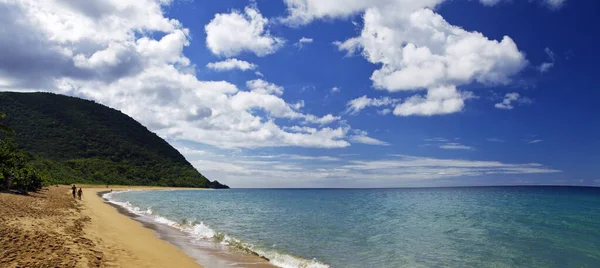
(80, 141)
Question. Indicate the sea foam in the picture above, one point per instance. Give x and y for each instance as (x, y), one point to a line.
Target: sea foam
(199, 231)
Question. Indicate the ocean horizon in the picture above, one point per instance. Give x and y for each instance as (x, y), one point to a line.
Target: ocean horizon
(473, 226)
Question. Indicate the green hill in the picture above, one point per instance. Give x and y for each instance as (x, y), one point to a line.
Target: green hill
(80, 141)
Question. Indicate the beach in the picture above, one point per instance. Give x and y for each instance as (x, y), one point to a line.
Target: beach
(51, 229)
(480, 227)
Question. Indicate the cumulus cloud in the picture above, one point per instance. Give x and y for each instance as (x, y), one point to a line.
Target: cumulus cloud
(304, 11)
(327, 119)
(356, 105)
(128, 55)
(231, 64)
(302, 41)
(417, 49)
(429, 53)
(264, 87)
(440, 100)
(335, 89)
(83, 42)
(230, 34)
(510, 99)
(300, 12)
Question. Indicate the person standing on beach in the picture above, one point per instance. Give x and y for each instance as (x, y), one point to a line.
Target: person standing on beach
(80, 193)
(74, 189)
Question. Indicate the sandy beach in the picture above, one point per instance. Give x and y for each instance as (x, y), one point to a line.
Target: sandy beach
(51, 229)
(126, 243)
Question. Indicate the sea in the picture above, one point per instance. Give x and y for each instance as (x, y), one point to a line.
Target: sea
(417, 227)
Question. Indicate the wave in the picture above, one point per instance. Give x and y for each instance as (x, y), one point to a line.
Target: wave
(199, 231)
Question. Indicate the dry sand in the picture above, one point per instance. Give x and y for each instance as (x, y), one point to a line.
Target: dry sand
(51, 229)
(45, 229)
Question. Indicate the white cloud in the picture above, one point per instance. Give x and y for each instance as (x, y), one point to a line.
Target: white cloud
(264, 87)
(304, 11)
(231, 64)
(257, 73)
(230, 34)
(433, 168)
(361, 136)
(490, 2)
(436, 139)
(129, 56)
(441, 100)
(436, 53)
(298, 157)
(327, 119)
(419, 50)
(510, 98)
(455, 146)
(356, 105)
(239, 169)
(384, 111)
(534, 141)
(494, 140)
(367, 140)
(555, 3)
(335, 89)
(66, 38)
(544, 67)
(302, 41)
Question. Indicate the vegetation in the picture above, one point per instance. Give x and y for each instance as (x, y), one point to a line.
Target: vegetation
(3, 127)
(71, 140)
(15, 171)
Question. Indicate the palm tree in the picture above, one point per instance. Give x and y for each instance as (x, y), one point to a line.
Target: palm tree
(3, 127)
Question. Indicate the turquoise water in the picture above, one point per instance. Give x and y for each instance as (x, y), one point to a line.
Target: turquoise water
(434, 227)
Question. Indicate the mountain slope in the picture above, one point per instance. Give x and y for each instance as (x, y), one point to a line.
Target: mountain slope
(78, 140)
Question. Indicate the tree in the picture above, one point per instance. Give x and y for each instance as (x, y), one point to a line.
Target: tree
(12, 161)
(4, 127)
(27, 179)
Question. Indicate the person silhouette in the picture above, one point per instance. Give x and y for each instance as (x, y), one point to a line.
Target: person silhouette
(74, 190)
(80, 193)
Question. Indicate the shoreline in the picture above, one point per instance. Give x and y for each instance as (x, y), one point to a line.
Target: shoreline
(125, 242)
(212, 256)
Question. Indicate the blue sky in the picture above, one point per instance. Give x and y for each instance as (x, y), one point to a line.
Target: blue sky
(340, 93)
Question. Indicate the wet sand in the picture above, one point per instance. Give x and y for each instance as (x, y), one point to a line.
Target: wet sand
(126, 243)
(209, 254)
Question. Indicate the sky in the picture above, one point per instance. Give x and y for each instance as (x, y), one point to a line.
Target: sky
(336, 93)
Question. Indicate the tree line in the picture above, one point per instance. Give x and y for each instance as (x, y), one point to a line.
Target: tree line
(15, 165)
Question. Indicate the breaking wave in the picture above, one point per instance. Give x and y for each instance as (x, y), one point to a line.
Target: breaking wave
(199, 231)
